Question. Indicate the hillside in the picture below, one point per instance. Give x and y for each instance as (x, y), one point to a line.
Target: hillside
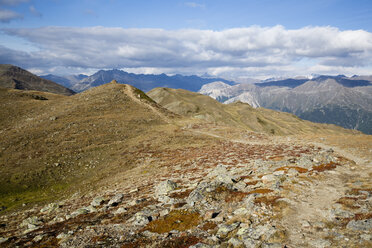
(110, 167)
(51, 142)
(13, 77)
(236, 114)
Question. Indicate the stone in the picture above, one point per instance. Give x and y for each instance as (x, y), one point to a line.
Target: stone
(360, 225)
(278, 173)
(340, 213)
(241, 211)
(3, 240)
(211, 214)
(121, 210)
(31, 222)
(142, 218)
(257, 232)
(80, 211)
(98, 201)
(114, 201)
(225, 229)
(305, 224)
(165, 199)
(234, 242)
(63, 236)
(320, 243)
(248, 201)
(50, 208)
(164, 187)
(222, 175)
(367, 237)
(136, 201)
(200, 245)
(38, 237)
(268, 178)
(292, 172)
(271, 245)
(248, 242)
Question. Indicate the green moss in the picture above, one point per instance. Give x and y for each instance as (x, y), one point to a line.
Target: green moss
(16, 199)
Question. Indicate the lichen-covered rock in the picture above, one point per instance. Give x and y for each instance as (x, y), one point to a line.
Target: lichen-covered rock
(225, 229)
(80, 211)
(360, 225)
(121, 210)
(200, 245)
(50, 208)
(114, 201)
(31, 222)
(164, 187)
(98, 201)
(234, 242)
(3, 240)
(320, 243)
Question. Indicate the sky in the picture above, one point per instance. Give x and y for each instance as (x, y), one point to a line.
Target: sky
(230, 38)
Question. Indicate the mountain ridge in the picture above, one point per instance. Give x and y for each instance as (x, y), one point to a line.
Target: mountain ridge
(144, 82)
(347, 101)
(14, 77)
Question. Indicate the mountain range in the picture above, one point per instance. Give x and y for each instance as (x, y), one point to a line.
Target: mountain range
(340, 100)
(144, 82)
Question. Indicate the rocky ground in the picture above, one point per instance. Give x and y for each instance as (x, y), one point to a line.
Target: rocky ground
(258, 191)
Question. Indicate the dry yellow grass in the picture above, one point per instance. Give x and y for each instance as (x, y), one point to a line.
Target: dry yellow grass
(70, 143)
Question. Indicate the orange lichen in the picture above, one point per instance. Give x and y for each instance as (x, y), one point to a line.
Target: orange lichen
(298, 169)
(208, 226)
(235, 196)
(180, 220)
(181, 195)
(348, 202)
(277, 158)
(260, 191)
(267, 200)
(356, 191)
(254, 182)
(325, 167)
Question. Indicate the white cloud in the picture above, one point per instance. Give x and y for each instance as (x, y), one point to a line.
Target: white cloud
(34, 11)
(195, 5)
(12, 2)
(237, 52)
(8, 15)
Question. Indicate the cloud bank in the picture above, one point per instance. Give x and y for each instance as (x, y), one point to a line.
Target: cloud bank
(251, 51)
(8, 15)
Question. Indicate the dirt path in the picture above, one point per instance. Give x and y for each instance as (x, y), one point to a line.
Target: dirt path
(130, 93)
(312, 201)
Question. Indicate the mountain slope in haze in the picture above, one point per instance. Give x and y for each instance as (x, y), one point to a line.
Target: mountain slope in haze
(143, 82)
(67, 81)
(236, 114)
(346, 102)
(14, 77)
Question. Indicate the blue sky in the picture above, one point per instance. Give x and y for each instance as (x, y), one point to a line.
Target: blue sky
(217, 37)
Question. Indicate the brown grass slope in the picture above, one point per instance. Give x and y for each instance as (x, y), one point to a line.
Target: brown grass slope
(14, 77)
(63, 143)
(238, 114)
